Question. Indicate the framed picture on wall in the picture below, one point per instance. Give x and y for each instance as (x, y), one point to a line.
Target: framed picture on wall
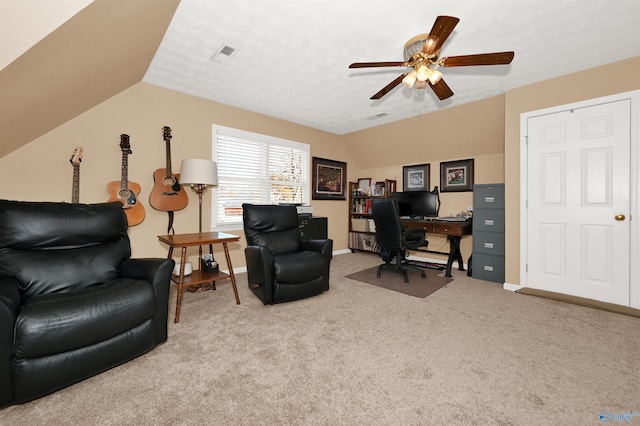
(456, 176)
(329, 179)
(416, 178)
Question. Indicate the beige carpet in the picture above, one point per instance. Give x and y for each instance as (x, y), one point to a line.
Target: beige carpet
(391, 280)
(469, 354)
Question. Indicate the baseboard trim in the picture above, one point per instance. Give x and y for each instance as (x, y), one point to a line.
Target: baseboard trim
(619, 309)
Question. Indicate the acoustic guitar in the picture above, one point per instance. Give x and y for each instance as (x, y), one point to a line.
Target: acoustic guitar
(75, 160)
(167, 194)
(127, 192)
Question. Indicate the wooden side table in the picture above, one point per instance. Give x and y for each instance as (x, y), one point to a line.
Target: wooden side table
(198, 276)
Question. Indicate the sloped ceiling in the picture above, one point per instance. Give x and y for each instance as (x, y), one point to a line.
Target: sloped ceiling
(292, 57)
(104, 49)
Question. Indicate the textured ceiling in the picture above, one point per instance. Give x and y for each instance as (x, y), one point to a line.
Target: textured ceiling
(292, 56)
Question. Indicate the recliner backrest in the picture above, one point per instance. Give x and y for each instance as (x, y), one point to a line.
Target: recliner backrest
(389, 227)
(61, 247)
(273, 226)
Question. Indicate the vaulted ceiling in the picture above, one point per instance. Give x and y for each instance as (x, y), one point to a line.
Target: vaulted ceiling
(291, 58)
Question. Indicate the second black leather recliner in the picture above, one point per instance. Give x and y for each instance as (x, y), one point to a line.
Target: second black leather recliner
(281, 267)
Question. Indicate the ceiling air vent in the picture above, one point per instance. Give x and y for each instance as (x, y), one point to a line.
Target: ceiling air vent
(224, 53)
(377, 116)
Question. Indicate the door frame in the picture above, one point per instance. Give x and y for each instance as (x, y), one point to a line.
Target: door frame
(634, 187)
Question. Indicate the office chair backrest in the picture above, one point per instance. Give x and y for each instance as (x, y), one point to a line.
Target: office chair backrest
(389, 227)
(273, 226)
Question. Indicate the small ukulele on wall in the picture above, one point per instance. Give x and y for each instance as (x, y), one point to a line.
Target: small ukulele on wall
(75, 160)
(127, 192)
(167, 194)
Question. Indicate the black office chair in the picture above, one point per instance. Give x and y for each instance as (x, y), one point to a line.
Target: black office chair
(393, 239)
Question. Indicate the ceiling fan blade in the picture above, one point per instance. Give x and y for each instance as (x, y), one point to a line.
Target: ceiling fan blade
(499, 58)
(439, 33)
(441, 89)
(386, 89)
(376, 64)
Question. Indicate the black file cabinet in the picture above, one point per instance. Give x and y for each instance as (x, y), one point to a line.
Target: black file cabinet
(312, 228)
(488, 232)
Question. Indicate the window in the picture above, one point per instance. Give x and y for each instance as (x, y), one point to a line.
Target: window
(257, 169)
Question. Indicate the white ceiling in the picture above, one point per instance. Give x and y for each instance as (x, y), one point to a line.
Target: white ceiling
(293, 55)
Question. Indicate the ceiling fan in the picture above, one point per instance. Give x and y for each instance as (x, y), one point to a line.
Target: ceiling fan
(421, 53)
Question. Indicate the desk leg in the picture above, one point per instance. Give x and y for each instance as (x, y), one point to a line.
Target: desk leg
(454, 254)
(233, 277)
(183, 260)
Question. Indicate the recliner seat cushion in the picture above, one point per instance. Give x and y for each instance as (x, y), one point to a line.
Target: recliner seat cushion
(56, 271)
(299, 266)
(60, 322)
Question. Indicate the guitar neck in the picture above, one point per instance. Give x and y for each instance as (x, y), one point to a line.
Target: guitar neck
(75, 189)
(124, 182)
(168, 153)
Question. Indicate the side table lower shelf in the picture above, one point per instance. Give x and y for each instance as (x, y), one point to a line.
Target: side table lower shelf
(199, 277)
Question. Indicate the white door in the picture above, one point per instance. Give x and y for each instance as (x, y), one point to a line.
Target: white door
(578, 210)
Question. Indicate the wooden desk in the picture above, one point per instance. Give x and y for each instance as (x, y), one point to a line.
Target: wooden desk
(454, 232)
(198, 276)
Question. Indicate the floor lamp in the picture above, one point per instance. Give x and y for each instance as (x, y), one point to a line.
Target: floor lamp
(199, 174)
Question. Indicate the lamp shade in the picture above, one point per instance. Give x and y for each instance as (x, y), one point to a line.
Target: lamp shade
(195, 171)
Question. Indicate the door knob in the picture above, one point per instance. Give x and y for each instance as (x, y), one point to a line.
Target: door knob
(619, 216)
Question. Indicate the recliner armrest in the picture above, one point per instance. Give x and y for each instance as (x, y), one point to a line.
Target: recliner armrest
(158, 272)
(323, 246)
(10, 302)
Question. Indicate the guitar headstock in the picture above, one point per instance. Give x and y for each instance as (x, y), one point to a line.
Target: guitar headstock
(125, 146)
(167, 133)
(76, 157)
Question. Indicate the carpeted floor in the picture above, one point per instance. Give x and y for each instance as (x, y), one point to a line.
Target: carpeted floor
(391, 280)
(469, 354)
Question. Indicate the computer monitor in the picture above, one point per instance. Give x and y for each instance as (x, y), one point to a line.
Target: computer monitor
(417, 203)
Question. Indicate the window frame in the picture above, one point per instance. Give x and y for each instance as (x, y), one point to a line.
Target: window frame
(266, 141)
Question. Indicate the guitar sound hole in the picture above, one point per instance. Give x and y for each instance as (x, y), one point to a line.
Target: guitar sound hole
(169, 181)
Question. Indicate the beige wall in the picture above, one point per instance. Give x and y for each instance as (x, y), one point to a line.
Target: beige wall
(617, 77)
(474, 130)
(41, 170)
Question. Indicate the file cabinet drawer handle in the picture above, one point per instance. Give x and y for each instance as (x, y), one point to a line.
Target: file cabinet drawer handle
(488, 268)
(488, 222)
(488, 245)
(489, 199)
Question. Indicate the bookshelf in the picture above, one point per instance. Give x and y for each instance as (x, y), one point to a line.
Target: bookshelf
(362, 232)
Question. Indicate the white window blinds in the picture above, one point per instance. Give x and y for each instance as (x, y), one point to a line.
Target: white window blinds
(257, 169)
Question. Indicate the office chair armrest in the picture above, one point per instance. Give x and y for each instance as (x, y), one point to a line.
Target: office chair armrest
(414, 238)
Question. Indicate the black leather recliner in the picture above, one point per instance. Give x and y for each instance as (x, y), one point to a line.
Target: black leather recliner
(281, 267)
(393, 238)
(72, 301)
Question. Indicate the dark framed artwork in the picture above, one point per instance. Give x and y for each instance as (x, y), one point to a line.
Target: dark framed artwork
(416, 178)
(456, 176)
(329, 179)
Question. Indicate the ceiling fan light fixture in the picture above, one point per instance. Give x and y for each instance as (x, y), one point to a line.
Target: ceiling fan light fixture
(423, 73)
(435, 76)
(410, 79)
(419, 92)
